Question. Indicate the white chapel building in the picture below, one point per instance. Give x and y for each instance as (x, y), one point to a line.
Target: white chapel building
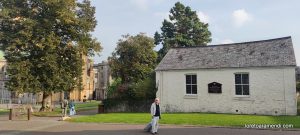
(255, 77)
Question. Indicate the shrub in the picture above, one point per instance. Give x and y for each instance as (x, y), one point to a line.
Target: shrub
(145, 89)
(112, 90)
(298, 87)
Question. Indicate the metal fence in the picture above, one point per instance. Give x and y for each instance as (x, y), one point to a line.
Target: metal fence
(24, 99)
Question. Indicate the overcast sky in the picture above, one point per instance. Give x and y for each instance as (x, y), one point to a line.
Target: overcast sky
(229, 21)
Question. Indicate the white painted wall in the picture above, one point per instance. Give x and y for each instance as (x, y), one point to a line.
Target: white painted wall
(271, 90)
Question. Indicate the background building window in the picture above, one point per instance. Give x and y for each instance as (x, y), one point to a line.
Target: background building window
(242, 84)
(191, 84)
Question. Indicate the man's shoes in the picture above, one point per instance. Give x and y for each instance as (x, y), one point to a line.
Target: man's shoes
(155, 133)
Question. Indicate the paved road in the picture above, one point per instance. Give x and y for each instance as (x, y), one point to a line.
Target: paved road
(51, 126)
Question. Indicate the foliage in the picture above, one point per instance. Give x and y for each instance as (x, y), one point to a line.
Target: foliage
(133, 59)
(142, 89)
(44, 42)
(111, 102)
(57, 112)
(183, 30)
(145, 89)
(298, 105)
(127, 105)
(198, 119)
(113, 88)
(134, 95)
(87, 106)
(298, 87)
(3, 111)
(131, 63)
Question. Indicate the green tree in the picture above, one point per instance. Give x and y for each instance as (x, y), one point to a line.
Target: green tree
(44, 42)
(298, 86)
(112, 88)
(133, 59)
(183, 30)
(145, 89)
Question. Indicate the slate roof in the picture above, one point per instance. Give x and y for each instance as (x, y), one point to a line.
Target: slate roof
(264, 53)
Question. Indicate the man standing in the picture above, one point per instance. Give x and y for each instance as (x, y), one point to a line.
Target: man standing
(64, 107)
(155, 112)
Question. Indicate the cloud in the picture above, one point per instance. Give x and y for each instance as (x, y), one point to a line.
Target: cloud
(226, 41)
(203, 17)
(240, 17)
(141, 4)
(144, 4)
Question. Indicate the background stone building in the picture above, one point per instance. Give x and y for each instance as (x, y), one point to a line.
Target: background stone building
(87, 83)
(102, 79)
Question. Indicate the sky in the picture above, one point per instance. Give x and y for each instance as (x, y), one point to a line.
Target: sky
(230, 21)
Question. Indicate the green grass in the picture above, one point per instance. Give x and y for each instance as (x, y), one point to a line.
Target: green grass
(4, 111)
(78, 106)
(55, 113)
(198, 119)
(87, 105)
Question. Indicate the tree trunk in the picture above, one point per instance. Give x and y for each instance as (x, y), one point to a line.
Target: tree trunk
(44, 102)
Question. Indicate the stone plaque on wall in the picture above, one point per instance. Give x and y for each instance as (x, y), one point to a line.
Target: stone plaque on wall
(214, 87)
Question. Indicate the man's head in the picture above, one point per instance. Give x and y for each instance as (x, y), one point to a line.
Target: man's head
(156, 100)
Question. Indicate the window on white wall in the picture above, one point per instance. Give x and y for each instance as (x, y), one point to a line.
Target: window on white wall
(241, 84)
(191, 84)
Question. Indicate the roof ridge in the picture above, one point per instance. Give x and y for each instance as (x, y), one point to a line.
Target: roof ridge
(263, 53)
(239, 43)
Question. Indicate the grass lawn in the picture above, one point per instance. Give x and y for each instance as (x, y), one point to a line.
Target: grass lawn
(87, 105)
(55, 113)
(4, 111)
(78, 106)
(200, 119)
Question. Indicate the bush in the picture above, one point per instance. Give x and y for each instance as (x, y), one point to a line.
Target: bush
(110, 102)
(134, 97)
(121, 105)
(145, 89)
(298, 87)
(112, 90)
(142, 89)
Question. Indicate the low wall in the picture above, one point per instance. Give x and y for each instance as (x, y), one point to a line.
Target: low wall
(112, 105)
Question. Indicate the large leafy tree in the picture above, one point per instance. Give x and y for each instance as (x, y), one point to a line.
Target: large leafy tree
(44, 41)
(133, 59)
(183, 29)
